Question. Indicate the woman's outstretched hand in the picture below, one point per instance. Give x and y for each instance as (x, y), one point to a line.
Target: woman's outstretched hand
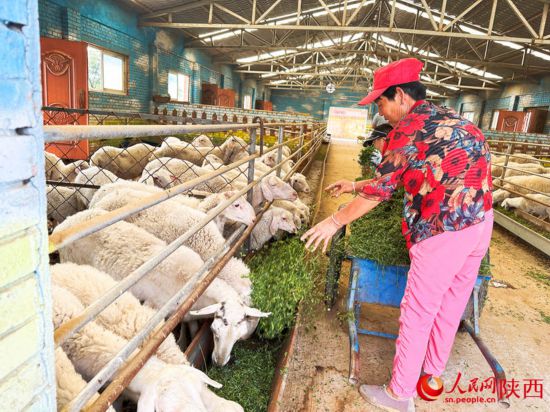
(341, 186)
(322, 231)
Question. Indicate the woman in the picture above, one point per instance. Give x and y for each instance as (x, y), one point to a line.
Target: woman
(443, 162)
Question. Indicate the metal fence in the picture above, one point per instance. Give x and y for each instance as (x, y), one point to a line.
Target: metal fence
(196, 168)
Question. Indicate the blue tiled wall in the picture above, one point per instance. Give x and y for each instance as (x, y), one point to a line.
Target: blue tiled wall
(112, 26)
(314, 102)
(527, 95)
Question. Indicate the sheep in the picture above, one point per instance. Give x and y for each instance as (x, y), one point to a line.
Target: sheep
(156, 387)
(126, 163)
(299, 182)
(270, 188)
(299, 211)
(271, 160)
(528, 205)
(167, 172)
(272, 220)
(59, 171)
(239, 211)
(121, 248)
(92, 176)
(125, 317)
(514, 157)
(202, 141)
(539, 183)
(62, 202)
(68, 381)
(168, 221)
(496, 170)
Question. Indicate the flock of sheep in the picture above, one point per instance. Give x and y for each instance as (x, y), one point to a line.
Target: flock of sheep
(524, 175)
(94, 264)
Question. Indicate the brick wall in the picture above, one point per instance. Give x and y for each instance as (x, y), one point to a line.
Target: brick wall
(151, 53)
(26, 337)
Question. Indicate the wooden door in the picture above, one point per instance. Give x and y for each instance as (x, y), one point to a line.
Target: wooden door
(509, 121)
(536, 120)
(64, 69)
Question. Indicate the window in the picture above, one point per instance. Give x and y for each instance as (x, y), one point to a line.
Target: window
(247, 101)
(178, 86)
(469, 116)
(106, 71)
(494, 120)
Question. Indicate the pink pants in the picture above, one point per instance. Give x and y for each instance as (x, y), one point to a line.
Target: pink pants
(442, 275)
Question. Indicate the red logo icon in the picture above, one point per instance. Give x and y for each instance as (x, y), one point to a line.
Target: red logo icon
(429, 387)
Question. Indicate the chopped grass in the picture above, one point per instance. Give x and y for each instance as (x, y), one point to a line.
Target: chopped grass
(282, 277)
(247, 379)
(545, 317)
(377, 235)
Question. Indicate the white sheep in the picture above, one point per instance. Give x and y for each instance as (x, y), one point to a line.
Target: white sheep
(126, 163)
(271, 160)
(202, 141)
(68, 381)
(57, 170)
(239, 211)
(121, 248)
(169, 220)
(92, 176)
(299, 182)
(539, 183)
(167, 172)
(514, 157)
(274, 219)
(299, 210)
(519, 169)
(62, 202)
(528, 205)
(157, 386)
(125, 317)
(270, 188)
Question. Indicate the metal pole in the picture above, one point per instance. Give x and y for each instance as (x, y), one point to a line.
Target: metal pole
(301, 144)
(124, 353)
(280, 149)
(251, 170)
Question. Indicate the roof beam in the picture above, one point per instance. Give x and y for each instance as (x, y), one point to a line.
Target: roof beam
(177, 9)
(353, 29)
(522, 18)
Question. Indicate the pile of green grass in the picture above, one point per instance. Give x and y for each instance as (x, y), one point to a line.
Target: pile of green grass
(377, 235)
(247, 378)
(282, 277)
(524, 222)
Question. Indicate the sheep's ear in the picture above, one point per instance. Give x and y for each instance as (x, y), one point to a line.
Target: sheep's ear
(266, 191)
(274, 225)
(205, 379)
(227, 195)
(256, 313)
(146, 402)
(206, 312)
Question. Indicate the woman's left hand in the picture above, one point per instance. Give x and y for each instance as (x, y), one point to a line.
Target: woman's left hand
(322, 231)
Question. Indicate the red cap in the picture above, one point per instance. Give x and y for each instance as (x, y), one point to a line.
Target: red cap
(398, 72)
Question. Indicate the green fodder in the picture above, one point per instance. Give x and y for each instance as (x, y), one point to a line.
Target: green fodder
(247, 379)
(282, 276)
(367, 168)
(377, 235)
(524, 222)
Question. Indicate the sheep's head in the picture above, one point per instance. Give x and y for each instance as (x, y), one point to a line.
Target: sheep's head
(212, 160)
(202, 141)
(231, 147)
(240, 210)
(233, 321)
(281, 219)
(270, 159)
(299, 183)
(275, 188)
(175, 388)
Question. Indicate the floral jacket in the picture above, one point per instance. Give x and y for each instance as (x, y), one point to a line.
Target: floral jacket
(443, 161)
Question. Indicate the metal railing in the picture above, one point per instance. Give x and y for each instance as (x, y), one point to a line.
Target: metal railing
(182, 301)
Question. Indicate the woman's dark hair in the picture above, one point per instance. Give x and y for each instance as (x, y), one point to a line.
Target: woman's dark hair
(378, 132)
(414, 89)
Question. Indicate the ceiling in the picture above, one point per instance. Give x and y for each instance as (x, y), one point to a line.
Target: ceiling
(465, 45)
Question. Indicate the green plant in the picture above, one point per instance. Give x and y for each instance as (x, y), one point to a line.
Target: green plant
(378, 236)
(367, 168)
(282, 276)
(247, 379)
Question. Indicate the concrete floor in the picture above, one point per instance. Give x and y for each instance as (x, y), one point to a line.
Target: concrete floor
(514, 325)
